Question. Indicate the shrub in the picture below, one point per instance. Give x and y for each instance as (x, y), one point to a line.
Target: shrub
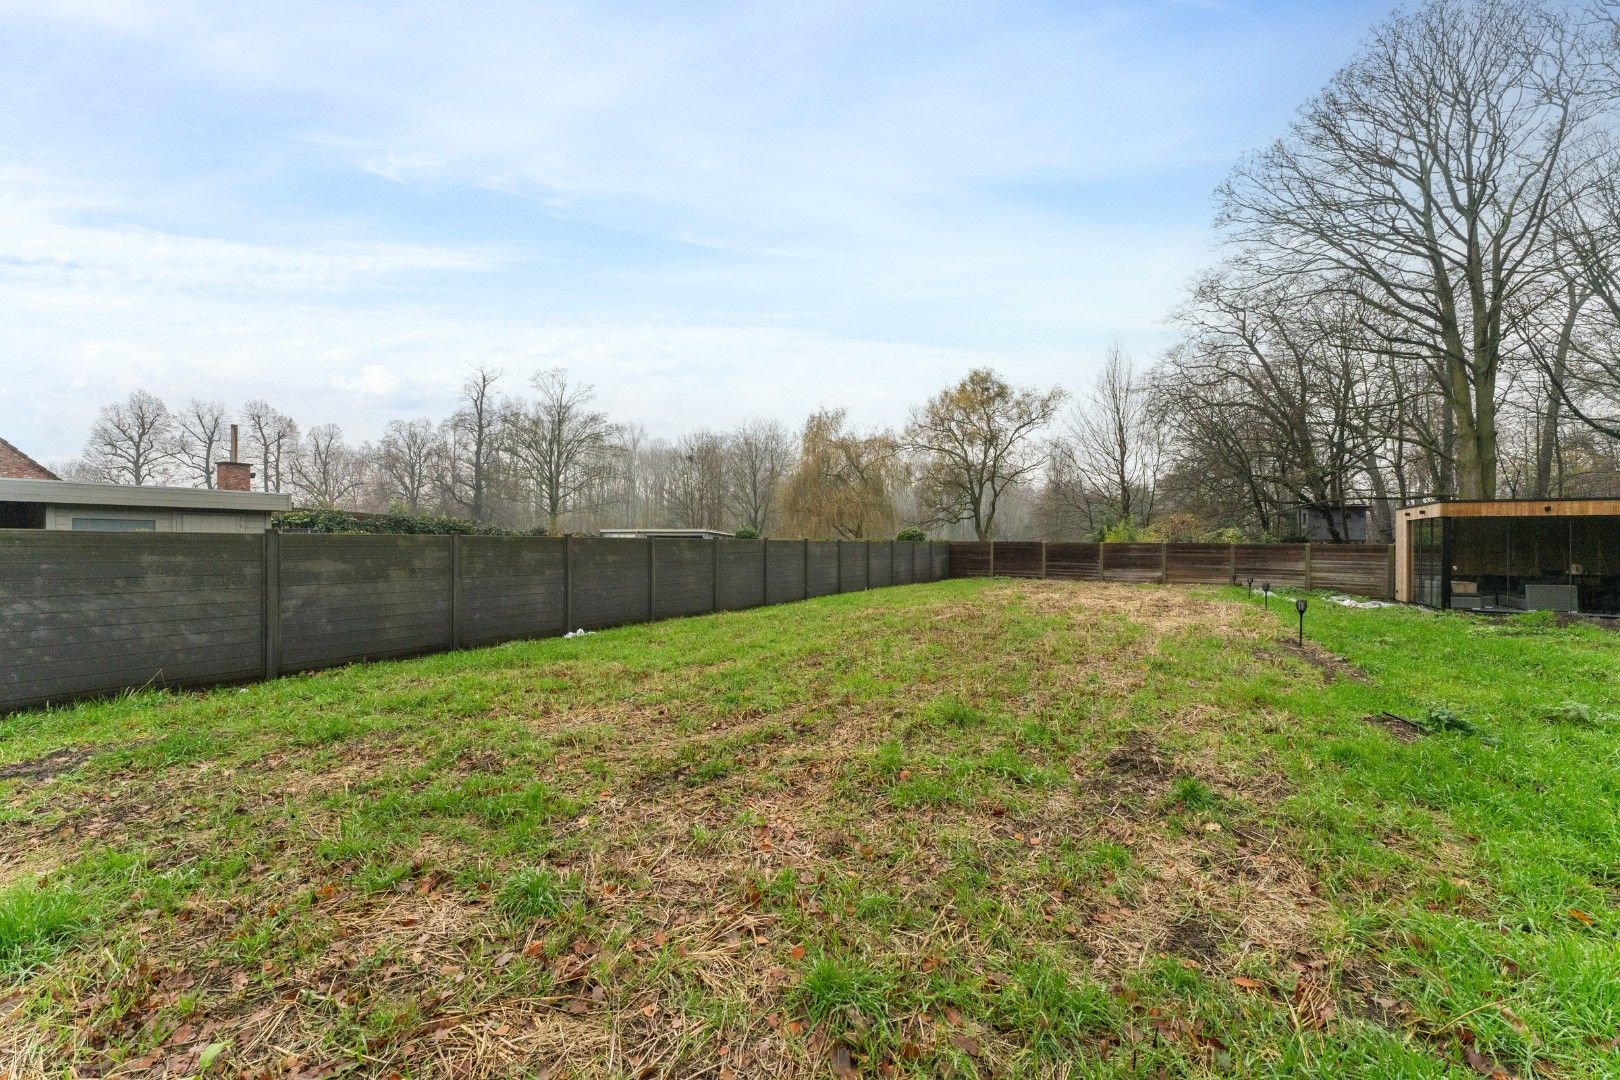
(746, 533)
(395, 522)
(911, 534)
(1129, 532)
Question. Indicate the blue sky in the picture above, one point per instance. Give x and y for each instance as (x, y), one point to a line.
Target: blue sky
(708, 211)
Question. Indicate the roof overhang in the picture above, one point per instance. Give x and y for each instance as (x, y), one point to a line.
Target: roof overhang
(75, 493)
(1518, 508)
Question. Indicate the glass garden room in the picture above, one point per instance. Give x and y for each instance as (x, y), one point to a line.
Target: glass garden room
(1507, 556)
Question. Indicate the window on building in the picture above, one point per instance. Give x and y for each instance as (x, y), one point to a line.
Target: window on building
(112, 524)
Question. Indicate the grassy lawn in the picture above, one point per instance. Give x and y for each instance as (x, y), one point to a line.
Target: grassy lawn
(965, 829)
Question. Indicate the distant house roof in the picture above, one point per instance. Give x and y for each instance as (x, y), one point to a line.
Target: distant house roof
(75, 493)
(690, 534)
(16, 465)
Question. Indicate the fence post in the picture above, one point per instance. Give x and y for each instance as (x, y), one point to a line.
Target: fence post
(806, 589)
(1043, 560)
(1231, 563)
(1102, 561)
(838, 557)
(894, 558)
(867, 544)
(764, 571)
(272, 603)
(1164, 564)
(714, 575)
(992, 559)
(1307, 565)
(1389, 573)
(568, 583)
(455, 590)
(652, 578)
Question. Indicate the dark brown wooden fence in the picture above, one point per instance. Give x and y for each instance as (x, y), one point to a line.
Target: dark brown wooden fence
(83, 614)
(1363, 569)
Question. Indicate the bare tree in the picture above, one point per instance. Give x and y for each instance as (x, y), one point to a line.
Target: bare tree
(408, 459)
(973, 441)
(558, 443)
(272, 436)
(472, 445)
(199, 439)
(1114, 445)
(1425, 178)
(759, 457)
(326, 471)
(132, 441)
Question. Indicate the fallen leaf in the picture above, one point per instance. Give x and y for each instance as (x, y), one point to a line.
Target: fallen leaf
(1247, 984)
(1582, 916)
(797, 952)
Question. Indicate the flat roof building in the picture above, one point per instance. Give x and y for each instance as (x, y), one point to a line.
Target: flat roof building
(1508, 555)
(94, 507)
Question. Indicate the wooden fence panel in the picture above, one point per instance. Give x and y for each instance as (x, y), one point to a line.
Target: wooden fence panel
(1073, 562)
(1199, 564)
(1018, 558)
(1279, 564)
(1133, 562)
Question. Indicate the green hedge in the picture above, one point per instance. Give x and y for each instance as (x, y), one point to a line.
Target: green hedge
(396, 522)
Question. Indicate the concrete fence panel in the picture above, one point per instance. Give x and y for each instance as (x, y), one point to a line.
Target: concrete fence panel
(84, 613)
(823, 567)
(784, 571)
(683, 576)
(345, 598)
(510, 587)
(608, 582)
(852, 562)
(742, 574)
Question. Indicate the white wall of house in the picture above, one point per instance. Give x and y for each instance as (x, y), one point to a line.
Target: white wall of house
(153, 519)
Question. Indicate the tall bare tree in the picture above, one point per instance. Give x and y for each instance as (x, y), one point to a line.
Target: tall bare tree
(758, 460)
(273, 437)
(973, 441)
(409, 457)
(558, 443)
(1425, 179)
(199, 439)
(472, 445)
(327, 472)
(1113, 442)
(132, 441)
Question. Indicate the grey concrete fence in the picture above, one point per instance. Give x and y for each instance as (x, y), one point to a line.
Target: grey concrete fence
(86, 614)
(1363, 569)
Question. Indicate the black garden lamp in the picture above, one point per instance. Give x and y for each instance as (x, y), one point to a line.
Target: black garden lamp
(1251, 584)
(1299, 606)
(1265, 594)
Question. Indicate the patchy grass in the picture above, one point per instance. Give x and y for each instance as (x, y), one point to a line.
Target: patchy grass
(975, 828)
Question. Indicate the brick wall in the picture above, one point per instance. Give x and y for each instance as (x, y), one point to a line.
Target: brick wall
(16, 465)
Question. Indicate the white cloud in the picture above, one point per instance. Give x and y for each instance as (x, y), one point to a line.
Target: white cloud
(706, 210)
